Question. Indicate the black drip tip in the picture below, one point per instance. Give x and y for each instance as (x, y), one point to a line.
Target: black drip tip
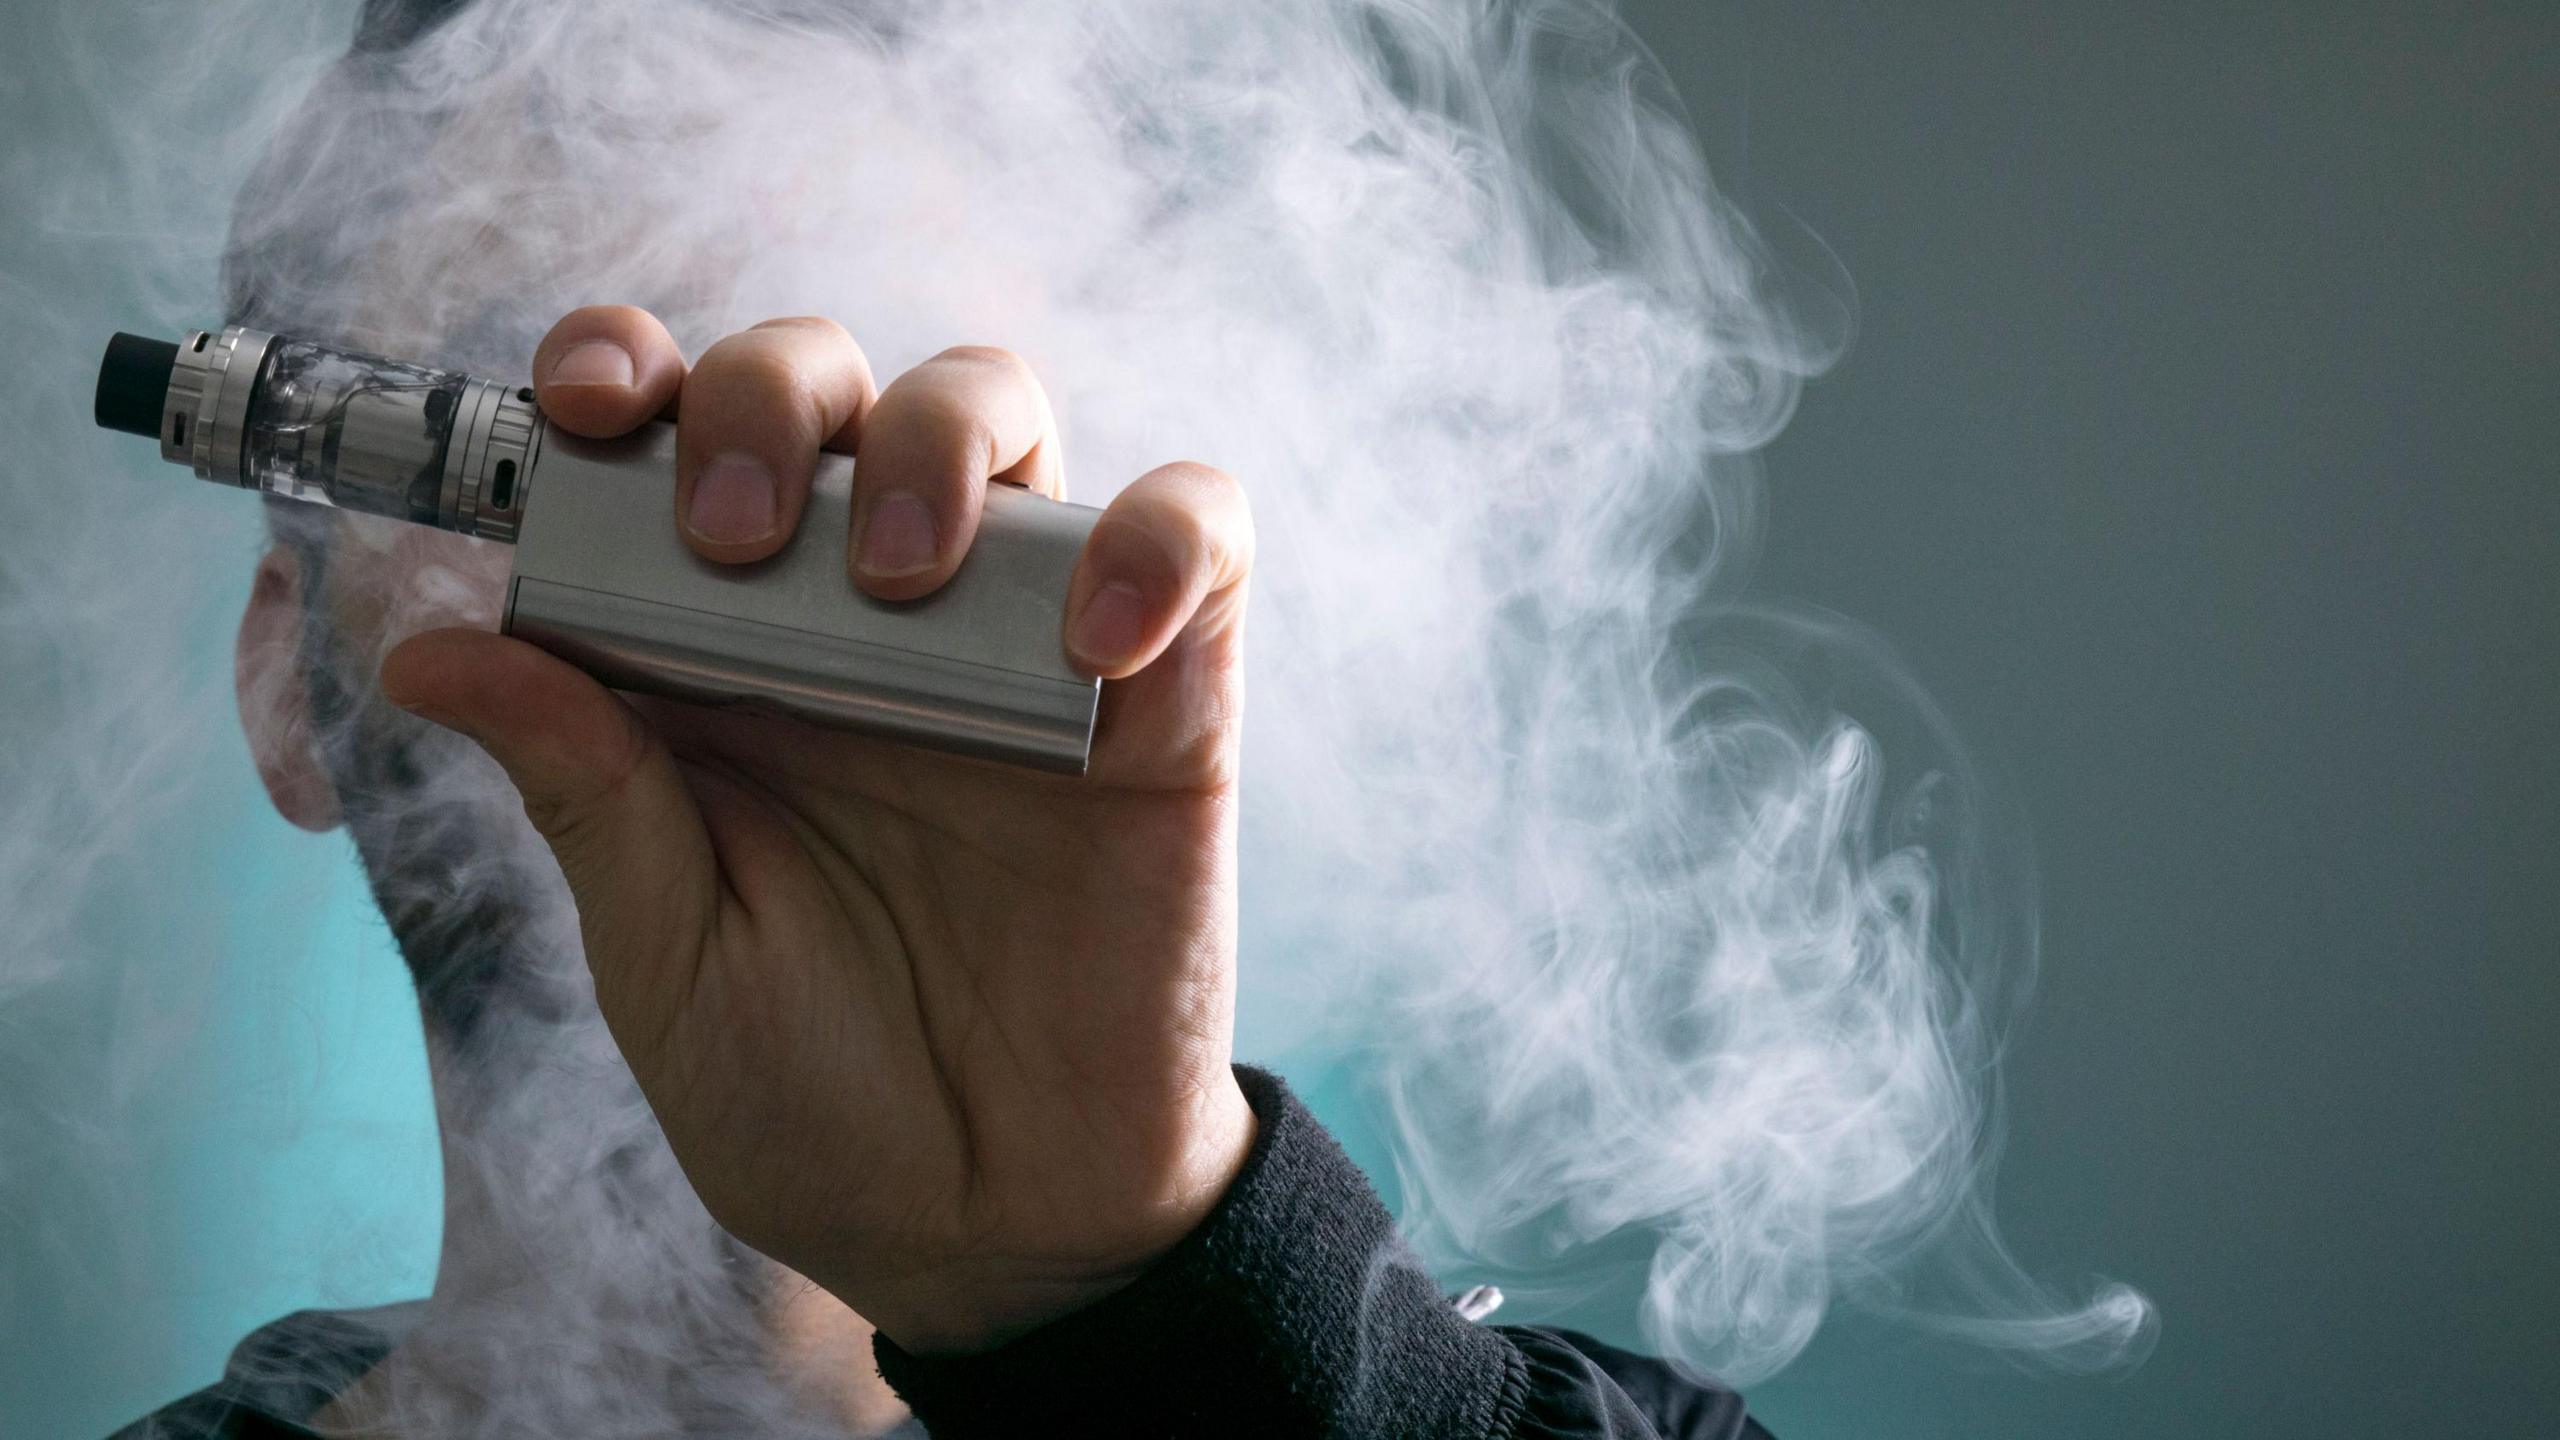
(133, 383)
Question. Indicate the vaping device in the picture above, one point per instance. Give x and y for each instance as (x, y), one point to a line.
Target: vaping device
(601, 578)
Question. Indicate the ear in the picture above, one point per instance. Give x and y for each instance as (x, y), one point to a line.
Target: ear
(275, 705)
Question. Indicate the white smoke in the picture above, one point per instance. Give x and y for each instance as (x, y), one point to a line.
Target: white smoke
(1671, 991)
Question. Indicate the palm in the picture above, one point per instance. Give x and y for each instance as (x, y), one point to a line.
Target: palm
(995, 981)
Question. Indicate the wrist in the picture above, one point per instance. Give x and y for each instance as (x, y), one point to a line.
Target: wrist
(944, 1316)
(1291, 1310)
(980, 1302)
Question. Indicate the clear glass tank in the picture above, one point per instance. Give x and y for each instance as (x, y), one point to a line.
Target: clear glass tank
(354, 431)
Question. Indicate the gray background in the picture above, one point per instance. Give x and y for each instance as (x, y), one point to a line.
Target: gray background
(2196, 447)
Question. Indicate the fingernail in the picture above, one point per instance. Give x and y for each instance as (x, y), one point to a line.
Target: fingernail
(593, 362)
(1111, 626)
(897, 537)
(733, 500)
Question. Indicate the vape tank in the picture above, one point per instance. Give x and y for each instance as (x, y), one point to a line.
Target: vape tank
(601, 578)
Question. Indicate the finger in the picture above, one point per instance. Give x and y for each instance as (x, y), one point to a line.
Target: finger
(1170, 543)
(580, 758)
(605, 370)
(1157, 608)
(753, 415)
(598, 785)
(940, 433)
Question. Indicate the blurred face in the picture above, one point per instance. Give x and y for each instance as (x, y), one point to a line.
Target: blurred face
(434, 824)
(459, 874)
(460, 877)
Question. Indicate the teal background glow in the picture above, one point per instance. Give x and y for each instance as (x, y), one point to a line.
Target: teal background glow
(260, 1139)
(2196, 448)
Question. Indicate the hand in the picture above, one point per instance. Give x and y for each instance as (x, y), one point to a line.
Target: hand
(949, 1038)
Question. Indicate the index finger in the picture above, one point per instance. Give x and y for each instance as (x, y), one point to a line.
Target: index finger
(939, 436)
(606, 370)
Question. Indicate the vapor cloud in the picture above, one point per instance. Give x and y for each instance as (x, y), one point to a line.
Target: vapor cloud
(1673, 989)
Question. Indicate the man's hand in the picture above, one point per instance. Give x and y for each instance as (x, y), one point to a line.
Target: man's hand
(950, 1039)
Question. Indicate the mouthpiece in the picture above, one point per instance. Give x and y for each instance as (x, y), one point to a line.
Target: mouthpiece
(133, 383)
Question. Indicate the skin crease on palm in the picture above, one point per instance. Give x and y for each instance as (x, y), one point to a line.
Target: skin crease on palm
(1007, 999)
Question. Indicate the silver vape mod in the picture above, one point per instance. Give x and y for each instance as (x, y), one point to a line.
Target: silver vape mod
(601, 578)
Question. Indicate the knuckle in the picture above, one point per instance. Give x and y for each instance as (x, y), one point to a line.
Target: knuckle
(1205, 504)
(577, 817)
(1207, 481)
(1161, 535)
(614, 314)
(947, 420)
(818, 325)
(740, 369)
(583, 318)
(987, 357)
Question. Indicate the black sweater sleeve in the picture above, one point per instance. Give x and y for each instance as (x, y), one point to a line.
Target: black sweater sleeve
(1294, 1311)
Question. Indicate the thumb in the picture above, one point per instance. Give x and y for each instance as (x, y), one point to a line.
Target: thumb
(596, 781)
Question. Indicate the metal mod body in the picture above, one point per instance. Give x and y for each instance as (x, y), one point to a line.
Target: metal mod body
(977, 666)
(601, 578)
